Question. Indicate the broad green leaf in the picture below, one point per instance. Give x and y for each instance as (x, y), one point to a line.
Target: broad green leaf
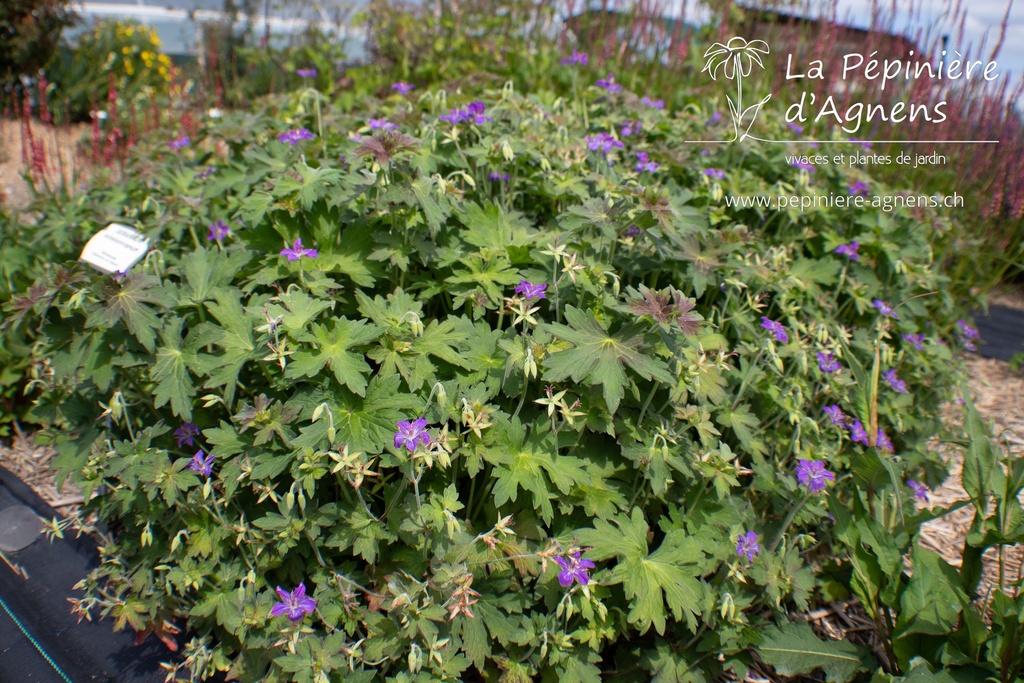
(174, 384)
(128, 302)
(331, 344)
(794, 650)
(598, 357)
(369, 423)
(671, 570)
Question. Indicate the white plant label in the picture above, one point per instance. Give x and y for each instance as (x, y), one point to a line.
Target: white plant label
(115, 248)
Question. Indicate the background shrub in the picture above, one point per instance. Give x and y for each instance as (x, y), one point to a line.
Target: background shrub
(116, 64)
(335, 371)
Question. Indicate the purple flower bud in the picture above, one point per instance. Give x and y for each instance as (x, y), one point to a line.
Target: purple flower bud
(885, 309)
(748, 546)
(609, 84)
(183, 141)
(920, 490)
(653, 104)
(859, 189)
(803, 165)
(294, 136)
(218, 231)
(411, 433)
(836, 415)
(893, 381)
(295, 604)
(827, 363)
(296, 251)
(883, 442)
(305, 73)
(201, 463)
(858, 434)
(580, 58)
(573, 569)
(813, 475)
(715, 118)
(849, 250)
(530, 290)
(775, 328)
(716, 173)
(402, 88)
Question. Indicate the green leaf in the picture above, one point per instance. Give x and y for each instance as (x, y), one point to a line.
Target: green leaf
(645, 577)
(128, 301)
(235, 340)
(933, 600)
(331, 347)
(368, 423)
(174, 384)
(794, 650)
(598, 357)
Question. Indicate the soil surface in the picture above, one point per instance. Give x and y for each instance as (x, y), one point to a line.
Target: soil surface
(61, 160)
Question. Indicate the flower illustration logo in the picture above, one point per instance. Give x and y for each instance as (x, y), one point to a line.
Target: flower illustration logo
(735, 60)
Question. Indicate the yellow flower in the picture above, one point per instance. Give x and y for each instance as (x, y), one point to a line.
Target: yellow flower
(126, 50)
(129, 69)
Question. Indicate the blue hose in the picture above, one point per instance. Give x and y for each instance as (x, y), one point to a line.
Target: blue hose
(34, 642)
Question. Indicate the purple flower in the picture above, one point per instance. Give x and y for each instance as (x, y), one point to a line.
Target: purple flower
(296, 251)
(632, 231)
(293, 136)
(201, 463)
(218, 231)
(827, 363)
(803, 165)
(653, 104)
(602, 141)
(883, 442)
(705, 152)
(455, 116)
(402, 88)
(573, 569)
(919, 489)
(411, 432)
(474, 112)
(183, 141)
(775, 328)
(205, 173)
(630, 127)
(715, 118)
(643, 164)
(500, 177)
(381, 124)
(795, 127)
(849, 250)
(305, 73)
(836, 414)
(885, 309)
(581, 58)
(530, 290)
(813, 475)
(859, 189)
(295, 604)
(914, 339)
(609, 83)
(858, 434)
(747, 545)
(893, 381)
(865, 144)
(186, 433)
(968, 334)
(716, 173)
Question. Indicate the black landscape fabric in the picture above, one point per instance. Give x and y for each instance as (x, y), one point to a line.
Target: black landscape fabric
(86, 652)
